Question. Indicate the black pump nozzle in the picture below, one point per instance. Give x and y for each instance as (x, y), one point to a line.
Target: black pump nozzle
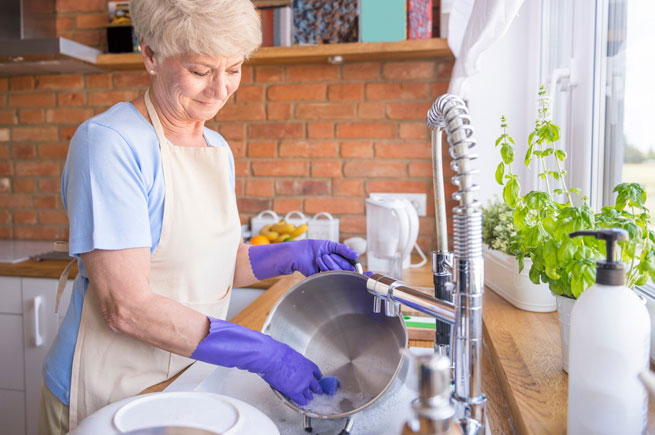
(610, 271)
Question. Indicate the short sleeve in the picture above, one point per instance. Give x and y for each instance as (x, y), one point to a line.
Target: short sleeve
(104, 192)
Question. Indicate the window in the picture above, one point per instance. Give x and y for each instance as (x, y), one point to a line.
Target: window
(630, 111)
(605, 95)
(598, 59)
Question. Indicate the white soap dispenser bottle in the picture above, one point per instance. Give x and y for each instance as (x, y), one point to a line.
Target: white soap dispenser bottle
(608, 346)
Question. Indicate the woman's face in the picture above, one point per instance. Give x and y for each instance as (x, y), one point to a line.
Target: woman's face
(195, 87)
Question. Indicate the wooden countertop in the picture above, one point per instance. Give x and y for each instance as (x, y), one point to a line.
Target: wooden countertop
(526, 352)
(37, 269)
(53, 269)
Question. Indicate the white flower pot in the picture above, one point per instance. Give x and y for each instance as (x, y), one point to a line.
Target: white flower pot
(501, 274)
(564, 307)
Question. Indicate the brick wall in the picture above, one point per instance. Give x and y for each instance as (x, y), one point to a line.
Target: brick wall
(83, 21)
(305, 137)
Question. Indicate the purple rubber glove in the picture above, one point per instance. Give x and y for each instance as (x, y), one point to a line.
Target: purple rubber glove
(305, 256)
(232, 345)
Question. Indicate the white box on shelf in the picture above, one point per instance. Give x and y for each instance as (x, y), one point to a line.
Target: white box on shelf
(326, 229)
(266, 217)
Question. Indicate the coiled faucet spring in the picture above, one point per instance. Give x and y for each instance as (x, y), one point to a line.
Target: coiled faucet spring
(449, 112)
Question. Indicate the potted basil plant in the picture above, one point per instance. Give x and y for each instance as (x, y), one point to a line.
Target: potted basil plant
(543, 220)
(501, 270)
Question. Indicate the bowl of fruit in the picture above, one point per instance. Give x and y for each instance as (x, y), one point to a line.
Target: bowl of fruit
(279, 232)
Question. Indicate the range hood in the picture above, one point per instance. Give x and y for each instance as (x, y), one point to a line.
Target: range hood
(29, 45)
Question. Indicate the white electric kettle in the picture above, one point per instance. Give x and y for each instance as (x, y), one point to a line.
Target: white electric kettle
(391, 231)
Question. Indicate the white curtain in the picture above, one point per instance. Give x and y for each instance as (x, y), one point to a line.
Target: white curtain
(473, 26)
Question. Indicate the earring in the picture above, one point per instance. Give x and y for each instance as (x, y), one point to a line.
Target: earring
(152, 72)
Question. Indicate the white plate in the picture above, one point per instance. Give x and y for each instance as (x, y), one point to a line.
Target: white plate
(211, 412)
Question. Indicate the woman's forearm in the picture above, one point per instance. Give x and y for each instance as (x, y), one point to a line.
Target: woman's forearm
(243, 275)
(164, 323)
(120, 281)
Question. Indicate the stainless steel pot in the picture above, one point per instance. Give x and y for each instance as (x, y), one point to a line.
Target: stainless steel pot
(329, 318)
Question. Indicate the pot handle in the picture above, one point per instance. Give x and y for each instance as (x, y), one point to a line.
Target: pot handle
(356, 264)
(349, 426)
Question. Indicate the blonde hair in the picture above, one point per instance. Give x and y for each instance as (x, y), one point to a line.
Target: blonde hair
(217, 28)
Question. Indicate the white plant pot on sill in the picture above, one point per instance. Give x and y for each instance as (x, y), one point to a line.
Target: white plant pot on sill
(501, 274)
(564, 308)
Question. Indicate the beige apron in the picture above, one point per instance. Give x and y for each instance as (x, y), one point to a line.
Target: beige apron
(193, 264)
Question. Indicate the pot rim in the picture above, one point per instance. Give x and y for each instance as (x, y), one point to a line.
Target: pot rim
(374, 399)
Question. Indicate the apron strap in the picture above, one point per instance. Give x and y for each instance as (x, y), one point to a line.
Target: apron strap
(154, 119)
(63, 278)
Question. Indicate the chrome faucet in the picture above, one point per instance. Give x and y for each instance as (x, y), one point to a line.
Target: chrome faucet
(458, 276)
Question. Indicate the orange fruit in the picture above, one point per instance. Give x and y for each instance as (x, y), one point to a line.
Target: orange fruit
(259, 240)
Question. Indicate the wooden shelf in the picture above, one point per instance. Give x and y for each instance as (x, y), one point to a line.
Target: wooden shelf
(353, 52)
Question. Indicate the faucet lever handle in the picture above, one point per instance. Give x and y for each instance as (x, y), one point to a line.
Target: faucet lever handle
(377, 304)
(391, 308)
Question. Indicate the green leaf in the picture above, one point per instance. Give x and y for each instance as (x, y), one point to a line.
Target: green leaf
(500, 172)
(536, 200)
(534, 275)
(528, 156)
(630, 194)
(507, 153)
(520, 217)
(561, 155)
(566, 251)
(521, 263)
(533, 237)
(511, 192)
(499, 140)
(583, 277)
(547, 152)
(551, 132)
(647, 263)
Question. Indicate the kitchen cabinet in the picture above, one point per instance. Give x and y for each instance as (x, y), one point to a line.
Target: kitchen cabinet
(28, 326)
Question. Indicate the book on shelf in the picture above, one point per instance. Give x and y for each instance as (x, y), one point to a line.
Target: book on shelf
(419, 19)
(283, 25)
(277, 23)
(325, 21)
(383, 20)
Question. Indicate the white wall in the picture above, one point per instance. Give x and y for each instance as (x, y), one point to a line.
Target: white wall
(507, 85)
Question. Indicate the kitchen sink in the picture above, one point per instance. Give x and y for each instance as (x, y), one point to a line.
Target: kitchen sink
(387, 415)
(241, 298)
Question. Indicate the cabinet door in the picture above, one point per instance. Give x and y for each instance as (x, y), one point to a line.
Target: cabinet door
(12, 412)
(11, 301)
(11, 352)
(40, 325)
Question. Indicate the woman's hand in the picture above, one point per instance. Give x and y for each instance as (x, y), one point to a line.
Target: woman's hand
(305, 256)
(232, 345)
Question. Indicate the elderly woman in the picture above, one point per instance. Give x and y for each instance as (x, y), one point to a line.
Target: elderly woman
(149, 192)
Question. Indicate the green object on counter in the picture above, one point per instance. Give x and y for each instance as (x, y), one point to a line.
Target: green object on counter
(420, 322)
